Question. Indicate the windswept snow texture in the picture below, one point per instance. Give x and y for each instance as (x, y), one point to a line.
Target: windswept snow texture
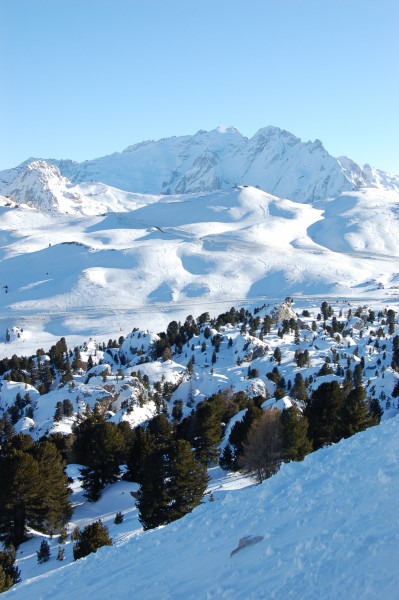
(328, 525)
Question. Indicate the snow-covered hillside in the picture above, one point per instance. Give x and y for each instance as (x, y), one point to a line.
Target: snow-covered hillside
(322, 528)
(153, 259)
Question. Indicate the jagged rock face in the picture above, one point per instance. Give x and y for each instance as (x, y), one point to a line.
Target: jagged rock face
(273, 159)
(284, 312)
(40, 185)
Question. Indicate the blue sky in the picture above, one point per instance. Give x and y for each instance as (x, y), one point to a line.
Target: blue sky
(84, 78)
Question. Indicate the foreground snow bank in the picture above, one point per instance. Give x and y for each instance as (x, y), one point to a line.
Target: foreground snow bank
(328, 526)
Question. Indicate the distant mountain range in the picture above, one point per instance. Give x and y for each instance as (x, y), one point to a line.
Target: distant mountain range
(118, 233)
(274, 160)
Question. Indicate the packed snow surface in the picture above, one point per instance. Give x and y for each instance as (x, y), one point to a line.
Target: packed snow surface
(324, 528)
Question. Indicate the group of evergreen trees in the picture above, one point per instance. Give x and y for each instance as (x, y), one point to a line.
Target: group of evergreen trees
(172, 479)
(169, 456)
(34, 488)
(262, 440)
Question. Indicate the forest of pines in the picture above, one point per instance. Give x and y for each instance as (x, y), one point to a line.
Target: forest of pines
(293, 384)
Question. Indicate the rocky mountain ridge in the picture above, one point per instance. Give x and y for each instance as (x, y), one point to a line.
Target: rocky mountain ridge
(274, 160)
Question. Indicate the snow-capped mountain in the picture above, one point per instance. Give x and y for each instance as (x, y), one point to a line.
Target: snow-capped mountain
(72, 242)
(273, 159)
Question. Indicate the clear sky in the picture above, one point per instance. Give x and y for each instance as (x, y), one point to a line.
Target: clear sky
(84, 78)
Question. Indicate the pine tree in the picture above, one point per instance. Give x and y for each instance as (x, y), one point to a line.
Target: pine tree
(100, 446)
(376, 410)
(58, 509)
(94, 536)
(296, 444)
(59, 412)
(208, 428)
(21, 496)
(77, 360)
(357, 376)
(9, 573)
(356, 412)
(44, 553)
(298, 390)
(118, 518)
(173, 484)
(227, 461)
(153, 497)
(277, 355)
(142, 445)
(90, 363)
(241, 429)
(324, 413)
(7, 431)
(187, 480)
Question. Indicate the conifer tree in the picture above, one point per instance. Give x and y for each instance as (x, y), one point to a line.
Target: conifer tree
(376, 410)
(298, 390)
(153, 498)
(9, 573)
(43, 554)
(357, 375)
(118, 518)
(174, 483)
(59, 412)
(187, 480)
(67, 407)
(296, 444)
(208, 428)
(324, 413)
(241, 429)
(356, 413)
(77, 362)
(227, 461)
(142, 445)
(7, 431)
(33, 488)
(58, 509)
(99, 445)
(21, 496)
(94, 536)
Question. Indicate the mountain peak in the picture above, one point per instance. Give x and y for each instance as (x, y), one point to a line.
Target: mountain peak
(273, 159)
(223, 129)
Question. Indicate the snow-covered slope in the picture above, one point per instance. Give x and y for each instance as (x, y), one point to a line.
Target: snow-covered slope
(273, 159)
(323, 529)
(168, 256)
